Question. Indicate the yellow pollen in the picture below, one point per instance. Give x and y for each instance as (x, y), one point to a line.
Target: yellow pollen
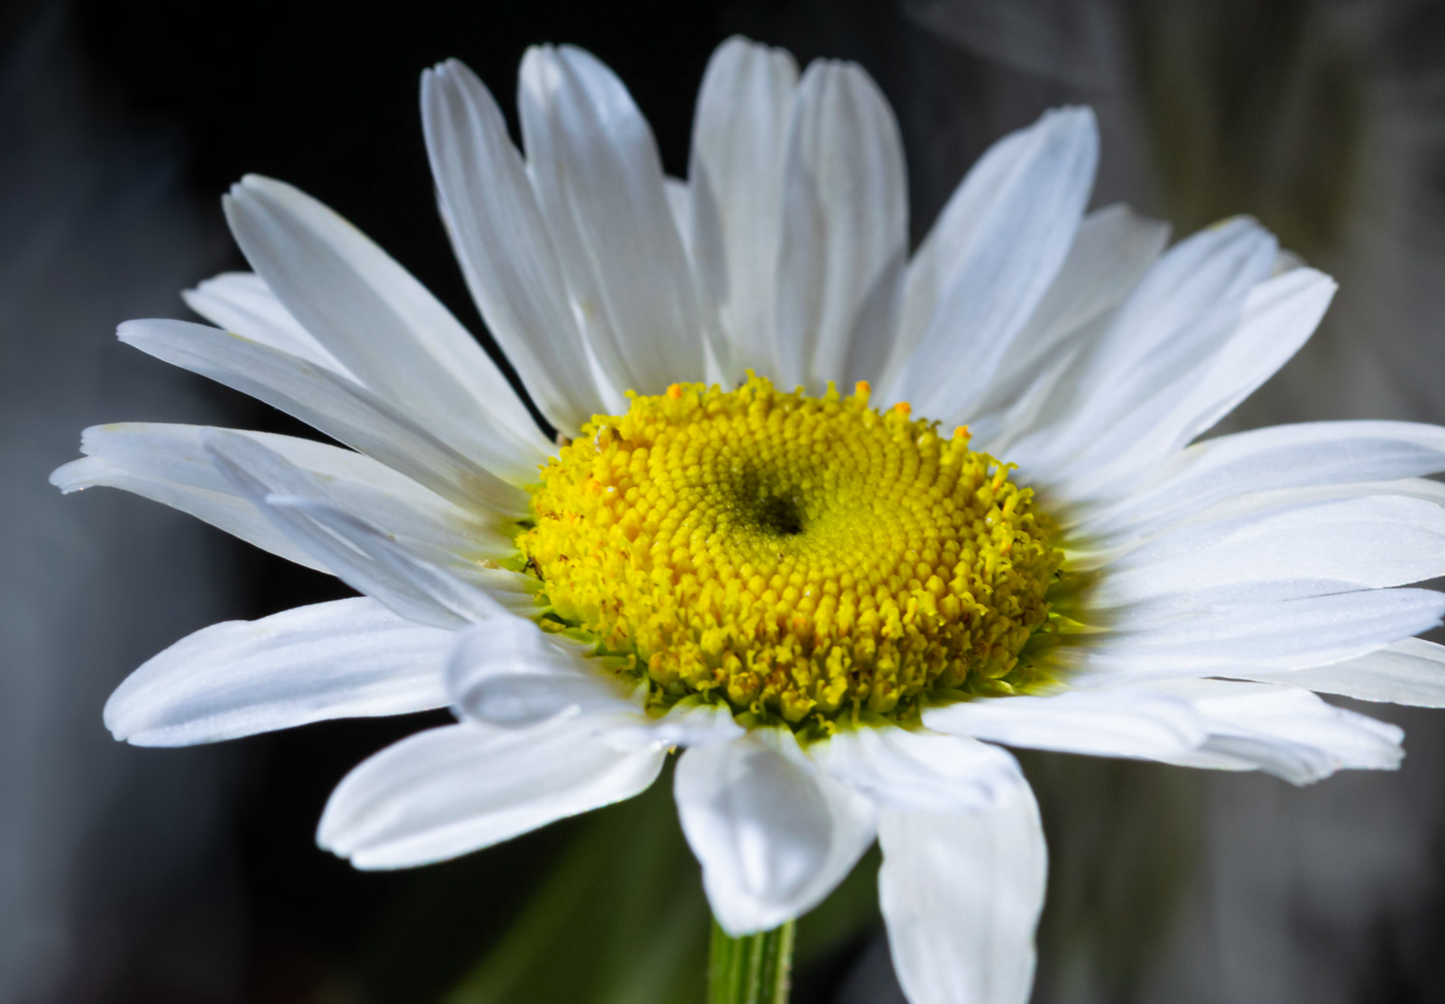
(802, 558)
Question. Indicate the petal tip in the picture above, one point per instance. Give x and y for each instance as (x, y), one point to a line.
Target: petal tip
(114, 718)
(135, 331)
(67, 478)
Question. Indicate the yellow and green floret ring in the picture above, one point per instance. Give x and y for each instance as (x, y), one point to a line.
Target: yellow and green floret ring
(808, 560)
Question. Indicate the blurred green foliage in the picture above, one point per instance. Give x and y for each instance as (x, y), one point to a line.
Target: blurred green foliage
(606, 908)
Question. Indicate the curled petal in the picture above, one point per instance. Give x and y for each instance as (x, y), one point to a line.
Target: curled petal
(773, 834)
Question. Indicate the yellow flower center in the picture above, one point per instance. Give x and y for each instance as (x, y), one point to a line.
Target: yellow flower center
(804, 558)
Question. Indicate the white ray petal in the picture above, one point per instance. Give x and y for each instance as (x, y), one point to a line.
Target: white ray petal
(844, 230)
(1280, 457)
(344, 659)
(1031, 398)
(1284, 731)
(774, 836)
(599, 181)
(470, 597)
(506, 671)
(1410, 672)
(679, 203)
(961, 896)
(456, 789)
(1280, 314)
(227, 511)
(242, 302)
(739, 140)
(1003, 270)
(500, 238)
(1422, 489)
(1188, 304)
(351, 548)
(1292, 634)
(1277, 318)
(929, 771)
(1113, 250)
(689, 722)
(956, 229)
(1179, 298)
(1121, 722)
(383, 325)
(168, 463)
(1283, 553)
(328, 402)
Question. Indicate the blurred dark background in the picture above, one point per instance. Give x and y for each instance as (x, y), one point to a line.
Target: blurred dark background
(132, 876)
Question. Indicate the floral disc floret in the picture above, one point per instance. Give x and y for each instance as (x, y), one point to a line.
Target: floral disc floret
(807, 559)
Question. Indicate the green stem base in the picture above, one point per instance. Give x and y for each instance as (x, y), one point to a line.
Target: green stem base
(755, 969)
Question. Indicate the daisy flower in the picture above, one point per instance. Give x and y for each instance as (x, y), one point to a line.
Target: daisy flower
(836, 522)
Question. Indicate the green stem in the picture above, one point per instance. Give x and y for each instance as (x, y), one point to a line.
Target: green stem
(754, 969)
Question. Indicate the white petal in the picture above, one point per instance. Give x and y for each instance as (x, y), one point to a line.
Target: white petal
(227, 511)
(961, 896)
(689, 722)
(1213, 269)
(351, 548)
(456, 789)
(1292, 634)
(501, 240)
(739, 139)
(922, 770)
(167, 463)
(1422, 489)
(1284, 731)
(1122, 722)
(931, 269)
(844, 232)
(1188, 304)
(1023, 404)
(383, 325)
(241, 302)
(328, 402)
(1112, 251)
(773, 835)
(343, 659)
(468, 597)
(1001, 271)
(1286, 553)
(1279, 457)
(679, 203)
(599, 181)
(1278, 317)
(507, 671)
(1408, 672)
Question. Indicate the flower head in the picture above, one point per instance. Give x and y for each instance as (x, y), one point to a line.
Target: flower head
(834, 605)
(799, 560)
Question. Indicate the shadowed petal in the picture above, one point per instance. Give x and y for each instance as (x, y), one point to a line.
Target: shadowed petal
(907, 769)
(774, 836)
(456, 789)
(961, 896)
